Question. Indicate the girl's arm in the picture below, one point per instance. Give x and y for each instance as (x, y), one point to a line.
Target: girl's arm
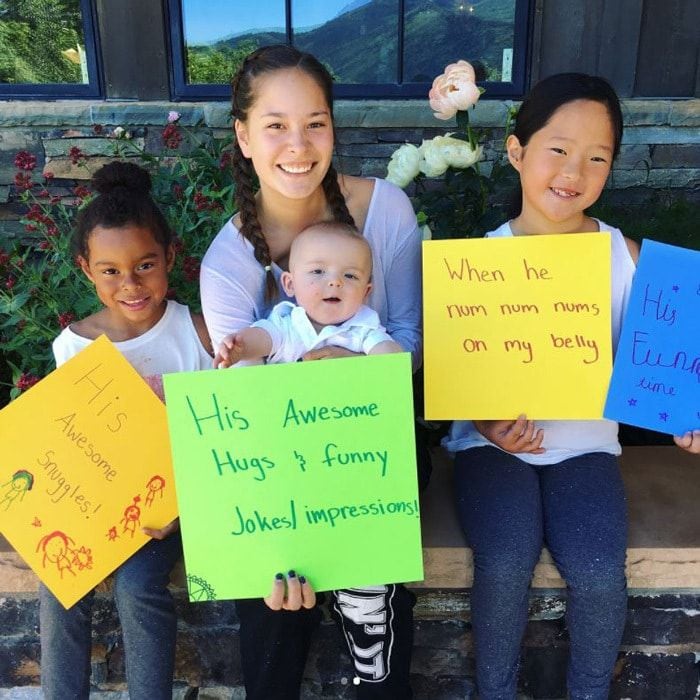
(633, 248)
(230, 285)
(202, 332)
(403, 280)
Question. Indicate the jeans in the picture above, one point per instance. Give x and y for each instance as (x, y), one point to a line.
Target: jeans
(147, 616)
(508, 509)
(377, 623)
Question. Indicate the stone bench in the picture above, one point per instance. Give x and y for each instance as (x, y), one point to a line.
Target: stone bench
(663, 495)
(663, 492)
(660, 645)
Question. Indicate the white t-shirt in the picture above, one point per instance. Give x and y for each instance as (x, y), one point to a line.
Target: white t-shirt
(232, 281)
(564, 439)
(172, 345)
(293, 334)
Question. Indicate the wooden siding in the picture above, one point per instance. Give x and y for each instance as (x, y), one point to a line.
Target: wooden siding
(646, 48)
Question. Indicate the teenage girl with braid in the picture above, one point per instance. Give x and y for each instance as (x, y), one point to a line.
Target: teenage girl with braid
(283, 111)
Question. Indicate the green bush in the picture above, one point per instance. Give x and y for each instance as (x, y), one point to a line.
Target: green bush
(41, 288)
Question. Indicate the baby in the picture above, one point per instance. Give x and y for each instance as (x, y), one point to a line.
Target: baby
(330, 270)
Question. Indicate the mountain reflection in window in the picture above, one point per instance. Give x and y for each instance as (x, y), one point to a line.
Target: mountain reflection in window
(42, 42)
(358, 40)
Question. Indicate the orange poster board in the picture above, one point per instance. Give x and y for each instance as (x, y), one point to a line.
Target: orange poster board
(84, 465)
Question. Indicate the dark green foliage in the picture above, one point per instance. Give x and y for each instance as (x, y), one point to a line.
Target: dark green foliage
(33, 35)
(662, 216)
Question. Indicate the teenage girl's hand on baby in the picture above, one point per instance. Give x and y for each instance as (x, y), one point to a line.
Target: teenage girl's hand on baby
(690, 442)
(329, 352)
(229, 351)
(292, 593)
(513, 436)
(163, 532)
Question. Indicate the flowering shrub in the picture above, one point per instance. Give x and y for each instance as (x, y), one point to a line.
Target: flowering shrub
(41, 288)
(458, 206)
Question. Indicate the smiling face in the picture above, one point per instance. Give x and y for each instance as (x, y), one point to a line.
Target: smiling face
(288, 134)
(129, 269)
(563, 167)
(329, 275)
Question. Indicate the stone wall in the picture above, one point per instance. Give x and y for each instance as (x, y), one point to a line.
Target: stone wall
(661, 144)
(658, 659)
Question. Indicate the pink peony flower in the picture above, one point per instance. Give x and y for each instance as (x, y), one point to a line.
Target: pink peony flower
(454, 90)
(173, 117)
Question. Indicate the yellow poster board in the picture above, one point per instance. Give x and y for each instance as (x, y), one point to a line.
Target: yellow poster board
(84, 465)
(517, 325)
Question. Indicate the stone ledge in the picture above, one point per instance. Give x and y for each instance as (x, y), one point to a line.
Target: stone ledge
(386, 113)
(663, 488)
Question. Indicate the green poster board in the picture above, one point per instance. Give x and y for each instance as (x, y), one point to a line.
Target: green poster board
(307, 466)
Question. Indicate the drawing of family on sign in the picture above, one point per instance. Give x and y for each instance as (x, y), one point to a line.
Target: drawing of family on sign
(57, 549)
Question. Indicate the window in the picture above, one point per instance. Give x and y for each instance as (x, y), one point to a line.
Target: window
(373, 48)
(47, 48)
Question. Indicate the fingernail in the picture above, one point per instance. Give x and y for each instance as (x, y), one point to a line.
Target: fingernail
(292, 573)
(302, 580)
(279, 577)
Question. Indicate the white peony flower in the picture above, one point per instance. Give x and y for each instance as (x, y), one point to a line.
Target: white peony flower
(433, 163)
(459, 153)
(404, 165)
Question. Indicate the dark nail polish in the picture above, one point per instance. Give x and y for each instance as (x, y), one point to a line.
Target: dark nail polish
(302, 580)
(279, 577)
(292, 573)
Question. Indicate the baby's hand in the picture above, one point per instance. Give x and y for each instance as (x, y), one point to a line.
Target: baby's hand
(513, 436)
(229, 351)
(689, 442)
(299, 593)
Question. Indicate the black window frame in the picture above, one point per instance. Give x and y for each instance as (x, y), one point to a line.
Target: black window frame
(515, 88)
(59, 91)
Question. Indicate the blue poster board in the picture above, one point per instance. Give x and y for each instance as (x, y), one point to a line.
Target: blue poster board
(656, 375)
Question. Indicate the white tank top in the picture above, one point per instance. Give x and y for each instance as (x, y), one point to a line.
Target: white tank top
(568, 438)
(172, 345)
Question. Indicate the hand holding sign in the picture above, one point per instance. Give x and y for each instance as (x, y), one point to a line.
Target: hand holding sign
(292, 593)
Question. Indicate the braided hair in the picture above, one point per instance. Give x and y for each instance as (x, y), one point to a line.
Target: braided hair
(267, 60)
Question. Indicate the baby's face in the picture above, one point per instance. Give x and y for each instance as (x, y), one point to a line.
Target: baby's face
(329, 275)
